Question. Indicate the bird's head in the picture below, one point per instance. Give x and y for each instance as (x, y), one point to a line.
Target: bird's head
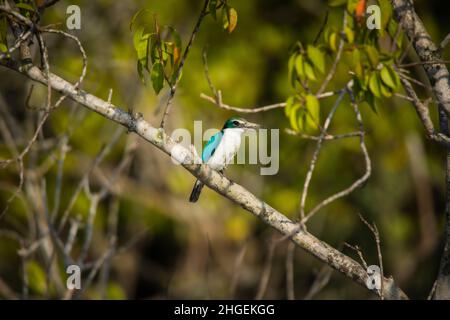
(239, 123)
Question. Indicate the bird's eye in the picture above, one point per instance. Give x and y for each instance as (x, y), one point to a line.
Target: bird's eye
(236, 123)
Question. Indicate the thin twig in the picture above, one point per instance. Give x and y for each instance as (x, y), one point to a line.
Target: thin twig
(290, 285)
(312, 164)
(266, 271)
(173, 87)
(359, 182)
(373, 228)
(340, 49)
(327, 137)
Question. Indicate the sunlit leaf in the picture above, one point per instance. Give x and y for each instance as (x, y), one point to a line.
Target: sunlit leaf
(386, 77)
(386, 9)
(372, 55)
(142, 48)
(317, 57)
(375, 85)
(389, 77)
(289, 104)
(313, 108)
(300, 66)
(357, 64)
(137, 37)
(332, 41)
(349, 34)
(295, 116)
(385, 90)
(309, 71)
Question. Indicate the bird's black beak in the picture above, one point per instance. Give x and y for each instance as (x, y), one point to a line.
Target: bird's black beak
(250, 125)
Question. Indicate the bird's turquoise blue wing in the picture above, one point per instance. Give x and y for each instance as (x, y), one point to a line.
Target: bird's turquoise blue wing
(211, 146)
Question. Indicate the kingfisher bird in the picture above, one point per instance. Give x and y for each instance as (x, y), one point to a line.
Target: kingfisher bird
(221, 148)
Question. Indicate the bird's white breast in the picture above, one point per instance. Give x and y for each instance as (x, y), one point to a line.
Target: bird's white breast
(227, 148)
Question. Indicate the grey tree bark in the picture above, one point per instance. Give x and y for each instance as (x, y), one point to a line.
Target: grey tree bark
(438, 75)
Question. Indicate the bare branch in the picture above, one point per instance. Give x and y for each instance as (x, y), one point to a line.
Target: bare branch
(266, 271)
(424, 115)
(312, 164)
(332, 70)
(373, 228)
(290, 285)
(359, 182)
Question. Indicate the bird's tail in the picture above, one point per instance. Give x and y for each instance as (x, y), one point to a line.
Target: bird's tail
(195, 194)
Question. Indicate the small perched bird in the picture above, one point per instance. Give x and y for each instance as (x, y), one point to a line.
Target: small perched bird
(221, 148)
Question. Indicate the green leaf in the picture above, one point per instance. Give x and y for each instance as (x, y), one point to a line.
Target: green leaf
(317, 57)
(137, 37)
(213, 8)
(357, 64)
(295, 115)
(332, 41)
(25, 6)
(313, 108)
(142, 47)
(300, 66)
(385, 90)
(3, 47)
(291, 69)
(157, 77)
(140, 69)
(154, 49)
(309, 71)
(375, 85)
(390, 77)
(349, 34)
(372, 55)
(372, 102)
(386, 13)
(133, 19)
(289, 104)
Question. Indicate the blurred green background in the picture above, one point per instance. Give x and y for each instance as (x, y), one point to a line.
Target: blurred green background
(191, 250)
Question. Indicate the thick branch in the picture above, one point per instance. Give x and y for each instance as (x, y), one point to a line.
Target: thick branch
(439, 78)
(426, 50)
